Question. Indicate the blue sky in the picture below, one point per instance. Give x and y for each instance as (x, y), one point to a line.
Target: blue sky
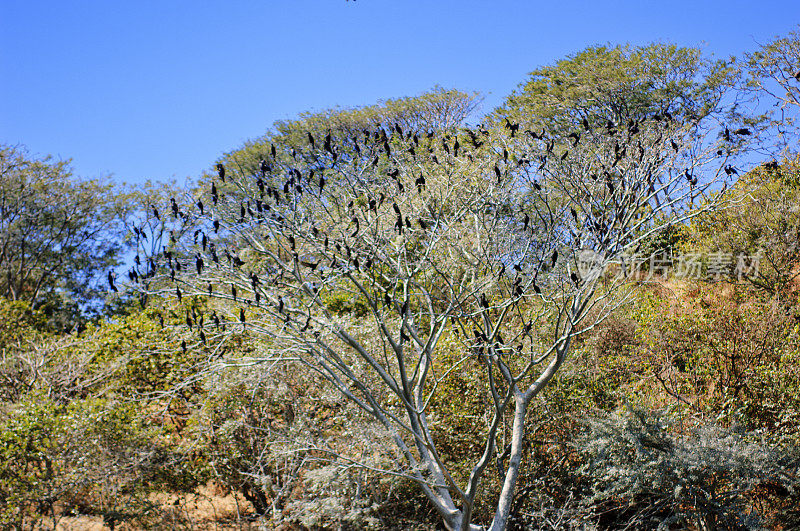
(160, 89)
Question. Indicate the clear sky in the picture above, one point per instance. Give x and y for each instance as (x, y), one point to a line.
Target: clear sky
(159, 89)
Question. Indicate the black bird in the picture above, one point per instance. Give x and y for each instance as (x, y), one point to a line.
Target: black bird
(241, 315)
(674, 145)
(178, 293)
(512, 127)
(726, 135)
(280, 304)
(585, 123)
(174, 206)
(484, 302)
(554, 259)
(498, 173)
(420, 182)
(233, 291)
(422, 224)
(263, 166)
(272, 150)
(536, 288)
(214, 194)
(199, 264)
(155, 212)
(311, 140)
(183, 346)
(387, 299)
(200, 206)
(221, 171)
(111, 277)
(525, 221)
(742, 132)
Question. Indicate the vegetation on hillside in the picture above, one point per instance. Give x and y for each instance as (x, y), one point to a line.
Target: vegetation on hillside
(384, 318)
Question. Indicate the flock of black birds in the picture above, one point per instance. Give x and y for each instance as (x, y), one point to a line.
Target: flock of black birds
(271, 195)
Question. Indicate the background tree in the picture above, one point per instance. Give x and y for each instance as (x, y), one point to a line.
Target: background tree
(613, 89)
(59, 235)
(620, 83)
(761, 226)
(774, 80)
(367, 256)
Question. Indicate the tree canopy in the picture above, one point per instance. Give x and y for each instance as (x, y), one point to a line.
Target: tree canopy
(618, 85)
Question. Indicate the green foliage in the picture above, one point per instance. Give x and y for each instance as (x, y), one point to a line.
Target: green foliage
(95, 455)
(619, 83)
(731, 357)
(763, 221)
(60, 235)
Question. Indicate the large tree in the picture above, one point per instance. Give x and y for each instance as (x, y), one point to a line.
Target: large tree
(446, 246)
